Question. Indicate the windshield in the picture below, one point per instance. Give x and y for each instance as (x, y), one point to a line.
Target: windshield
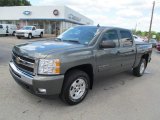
(27, 28)
(80, 34)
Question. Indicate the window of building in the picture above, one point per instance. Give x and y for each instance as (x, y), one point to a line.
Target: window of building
(1, 27)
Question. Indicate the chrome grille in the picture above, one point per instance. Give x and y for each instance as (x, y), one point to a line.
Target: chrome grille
(20, 33)
(23, 63)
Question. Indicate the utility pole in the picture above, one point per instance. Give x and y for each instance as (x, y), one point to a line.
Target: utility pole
(136, 25)
(135, 28)
(150, 27)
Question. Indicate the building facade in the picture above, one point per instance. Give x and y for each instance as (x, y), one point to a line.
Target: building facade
(54, 19)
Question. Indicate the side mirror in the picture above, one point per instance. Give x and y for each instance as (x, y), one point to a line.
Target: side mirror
(107, 44)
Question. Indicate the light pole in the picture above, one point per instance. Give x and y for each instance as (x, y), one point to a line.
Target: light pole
(150, 26)
(135, 28)
(136, 25)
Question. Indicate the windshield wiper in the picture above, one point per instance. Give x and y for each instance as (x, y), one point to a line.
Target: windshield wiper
(58, 39)
(74, 41)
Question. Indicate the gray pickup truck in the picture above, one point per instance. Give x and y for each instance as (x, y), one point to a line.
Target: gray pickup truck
(69, 64)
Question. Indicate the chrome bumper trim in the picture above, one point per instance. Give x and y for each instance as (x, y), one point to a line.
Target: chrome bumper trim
(19, 74)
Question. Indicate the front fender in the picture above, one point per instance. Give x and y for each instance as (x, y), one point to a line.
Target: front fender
(71, 60)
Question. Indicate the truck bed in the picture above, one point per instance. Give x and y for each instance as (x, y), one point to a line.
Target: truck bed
(142, 48)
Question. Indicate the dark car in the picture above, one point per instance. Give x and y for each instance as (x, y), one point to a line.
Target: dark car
(69, 64)
(158, 46)
(153, 42)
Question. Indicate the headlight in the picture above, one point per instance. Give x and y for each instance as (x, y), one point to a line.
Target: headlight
(49, 66)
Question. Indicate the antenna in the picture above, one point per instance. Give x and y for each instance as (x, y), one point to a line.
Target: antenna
(98, 25)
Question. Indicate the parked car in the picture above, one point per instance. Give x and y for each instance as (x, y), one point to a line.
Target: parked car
(137, 38)
(7, 29)
(29, 32)
(153, 42)
(158, 46)
(69, 64)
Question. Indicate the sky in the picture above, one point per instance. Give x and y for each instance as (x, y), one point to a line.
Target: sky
(119, 13)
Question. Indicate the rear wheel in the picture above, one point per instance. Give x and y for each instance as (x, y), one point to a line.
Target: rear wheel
(41, 35)
(75, 87)
(139, 70)
(13, 34)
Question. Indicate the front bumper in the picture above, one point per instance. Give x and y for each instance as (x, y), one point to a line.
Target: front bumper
(52, 84)
(22, 35)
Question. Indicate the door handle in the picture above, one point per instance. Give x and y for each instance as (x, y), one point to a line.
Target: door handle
(118, 52)
(131, 50)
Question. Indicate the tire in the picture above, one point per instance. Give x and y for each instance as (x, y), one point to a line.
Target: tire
(139, 70)
(30, 36)
(75, 87)
(41, 35)
(18, 37)
(13, 34)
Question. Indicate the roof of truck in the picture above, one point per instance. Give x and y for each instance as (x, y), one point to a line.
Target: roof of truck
(104, 27)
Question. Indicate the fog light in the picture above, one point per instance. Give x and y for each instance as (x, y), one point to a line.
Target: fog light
(41, 90)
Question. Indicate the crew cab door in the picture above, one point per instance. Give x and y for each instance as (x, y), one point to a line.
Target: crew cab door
(108, 61)
(127, 50)
(34, 31)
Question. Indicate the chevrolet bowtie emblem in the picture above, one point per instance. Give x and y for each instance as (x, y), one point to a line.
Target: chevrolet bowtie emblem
(18, 60)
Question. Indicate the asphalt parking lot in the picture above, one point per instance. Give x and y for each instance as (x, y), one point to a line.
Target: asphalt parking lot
(119, 97)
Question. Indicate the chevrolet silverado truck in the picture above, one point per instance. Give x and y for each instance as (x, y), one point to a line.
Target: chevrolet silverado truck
(29, 32)
(69, 64)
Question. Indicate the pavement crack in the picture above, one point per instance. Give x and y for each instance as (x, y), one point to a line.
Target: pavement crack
(39, 116)
(122, 82)
(39, 101)
(25, 111)
(108, 88)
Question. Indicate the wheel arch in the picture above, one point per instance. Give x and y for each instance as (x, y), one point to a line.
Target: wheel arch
(146, 57)
(88, 68)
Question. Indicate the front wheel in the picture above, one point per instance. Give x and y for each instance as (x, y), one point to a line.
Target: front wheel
(139, 70)
(18, 37)
(75, 87)
(30, 36)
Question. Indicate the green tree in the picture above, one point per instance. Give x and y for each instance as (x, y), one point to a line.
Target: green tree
(145, 33)
(15, 3)
(158, 36)
(139, 33)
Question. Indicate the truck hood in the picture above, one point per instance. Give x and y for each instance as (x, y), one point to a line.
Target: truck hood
(17, 31)
(41, 49)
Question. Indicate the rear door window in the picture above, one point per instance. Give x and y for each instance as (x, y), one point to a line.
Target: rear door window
(126, 38)
(33, 28)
